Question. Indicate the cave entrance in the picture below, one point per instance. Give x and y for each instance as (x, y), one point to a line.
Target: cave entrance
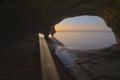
(84, 32)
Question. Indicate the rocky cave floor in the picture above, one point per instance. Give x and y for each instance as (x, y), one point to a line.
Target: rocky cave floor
(97, 64)
(20, 61)
(102, 64)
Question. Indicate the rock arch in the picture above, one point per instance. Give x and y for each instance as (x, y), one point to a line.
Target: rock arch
(22, 20)
(21, 17)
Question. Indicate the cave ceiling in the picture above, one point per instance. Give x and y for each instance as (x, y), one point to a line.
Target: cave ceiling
(25, 16)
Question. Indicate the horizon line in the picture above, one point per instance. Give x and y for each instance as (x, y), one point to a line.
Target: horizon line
(86, 31)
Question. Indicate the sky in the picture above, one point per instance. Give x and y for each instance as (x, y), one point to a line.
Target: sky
(82, 23)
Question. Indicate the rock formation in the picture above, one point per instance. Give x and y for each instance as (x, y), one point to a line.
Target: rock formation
(22, 20)
(21, 17)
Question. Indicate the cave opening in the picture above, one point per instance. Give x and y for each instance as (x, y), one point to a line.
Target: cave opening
(84, 32)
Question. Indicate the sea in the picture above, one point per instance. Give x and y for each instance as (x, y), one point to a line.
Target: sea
(80, 41)
(86, 40)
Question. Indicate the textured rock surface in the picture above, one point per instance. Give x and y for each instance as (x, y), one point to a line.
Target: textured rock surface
(20, 17)
(100, 64)
(19, 60)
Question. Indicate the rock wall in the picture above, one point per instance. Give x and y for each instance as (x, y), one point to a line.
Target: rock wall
(22, 20)
(21, 17)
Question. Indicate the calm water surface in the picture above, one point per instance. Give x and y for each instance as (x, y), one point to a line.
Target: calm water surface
(86, 40)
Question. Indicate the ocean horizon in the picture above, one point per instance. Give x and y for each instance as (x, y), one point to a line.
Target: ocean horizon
(85, 31)
(85, 40)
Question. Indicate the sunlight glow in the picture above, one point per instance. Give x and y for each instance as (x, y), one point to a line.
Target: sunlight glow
(82, 23)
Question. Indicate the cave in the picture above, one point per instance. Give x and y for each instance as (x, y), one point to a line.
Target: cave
(84, 32)
(22, 20)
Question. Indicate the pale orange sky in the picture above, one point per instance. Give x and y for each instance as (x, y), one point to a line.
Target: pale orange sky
(81, 28)
(65, 28)
(82, 23)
